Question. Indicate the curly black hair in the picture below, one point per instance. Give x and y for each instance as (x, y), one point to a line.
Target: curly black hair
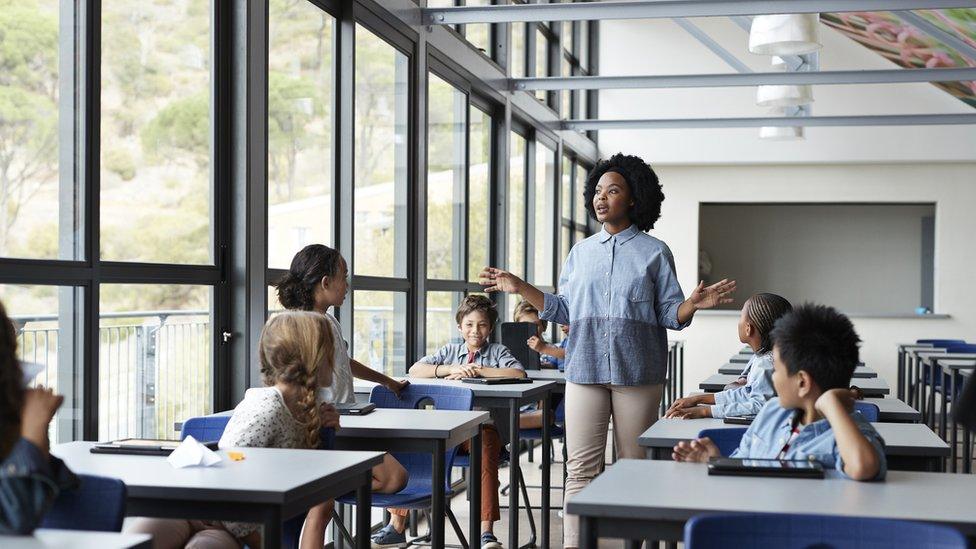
(644, 188)
(820, 341)
(11, 384)
(296, 289)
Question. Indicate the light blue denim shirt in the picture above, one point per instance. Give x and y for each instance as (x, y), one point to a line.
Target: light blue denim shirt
(620, 294)
(750, 398)
(492, 355)
(771, 429)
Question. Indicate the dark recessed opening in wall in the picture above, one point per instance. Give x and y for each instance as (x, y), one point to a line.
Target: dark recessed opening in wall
(873, 259)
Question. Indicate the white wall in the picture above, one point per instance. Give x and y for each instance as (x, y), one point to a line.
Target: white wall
(862, 257)
(952, 187)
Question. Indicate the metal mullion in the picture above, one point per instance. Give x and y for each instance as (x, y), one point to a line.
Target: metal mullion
(345, 144)
(466, 198)
(554, 55)
(31, 271)
(332, 7)
(149, 273)
(417, 128)
(755, 122)
(528, 208)
(89, 151)
(435, 285)
(378, 283)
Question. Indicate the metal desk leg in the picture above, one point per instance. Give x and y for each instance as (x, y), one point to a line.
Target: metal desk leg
(546, 464)
(474, 491)
(271, 536)
(953, 455)
(588, 533)
(901, 374)
(364, 506)
(437, 502)
(930, 398)
(513, 475)
(943, 413)
(967, 455)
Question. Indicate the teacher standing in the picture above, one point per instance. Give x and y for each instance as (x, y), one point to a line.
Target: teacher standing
(619, 291)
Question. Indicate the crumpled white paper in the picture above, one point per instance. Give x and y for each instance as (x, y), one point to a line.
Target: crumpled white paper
(191, 453)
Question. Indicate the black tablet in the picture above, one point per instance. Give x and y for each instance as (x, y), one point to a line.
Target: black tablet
(515, 336)
(765, 468)
(496, 380)
(739, 420)
(142, 447)
(355, 408)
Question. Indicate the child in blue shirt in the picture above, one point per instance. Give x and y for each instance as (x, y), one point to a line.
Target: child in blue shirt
(815, 351)
(748, 394)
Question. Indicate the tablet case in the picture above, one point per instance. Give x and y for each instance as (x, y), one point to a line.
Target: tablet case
(496, 380)
(514, 336)
(737, 467)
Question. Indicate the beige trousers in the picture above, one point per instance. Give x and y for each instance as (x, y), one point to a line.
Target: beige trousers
(588, 412)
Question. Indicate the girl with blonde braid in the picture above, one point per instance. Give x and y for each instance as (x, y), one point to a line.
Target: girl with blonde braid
(296, 357)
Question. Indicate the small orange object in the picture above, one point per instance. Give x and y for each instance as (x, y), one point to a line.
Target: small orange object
(236, 456)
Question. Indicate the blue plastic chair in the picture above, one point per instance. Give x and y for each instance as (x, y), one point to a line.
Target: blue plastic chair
(787, 531)
(940, 342)
(869, 410)
(417, 494)
(97, 505)
(211, 428)
(727, 440)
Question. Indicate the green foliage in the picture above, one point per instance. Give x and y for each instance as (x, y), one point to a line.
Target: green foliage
(184, 125)
(119, 162)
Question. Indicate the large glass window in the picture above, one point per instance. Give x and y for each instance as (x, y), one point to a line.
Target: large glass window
(155, 169)
(155, 358)
(300, 160)
(516, 206)
(35, 195)
(381, 145)
(379, 330)
(441, 325)
(518, 50)
(48, 323)
(479, 174)
(543, 243)
(445, 180)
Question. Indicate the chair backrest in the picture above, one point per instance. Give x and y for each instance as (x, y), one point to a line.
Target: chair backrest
(211, 428)
(869, 410)
(442, 397)
(98, 504)
(941, 342)
(758, 530)
(560, 415)
(961, 348)
(727, 440)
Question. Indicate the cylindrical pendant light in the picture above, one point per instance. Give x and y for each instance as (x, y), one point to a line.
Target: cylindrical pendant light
(781, 133)
(784, 96)
(793, 34)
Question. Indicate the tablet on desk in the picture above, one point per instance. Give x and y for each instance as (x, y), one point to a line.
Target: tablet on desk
(355, 408)
(765, 468)
(496, 380)
(740, 420)
(142, 447)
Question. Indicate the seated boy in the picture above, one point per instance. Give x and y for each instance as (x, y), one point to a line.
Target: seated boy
(815, 351)
(475, 357)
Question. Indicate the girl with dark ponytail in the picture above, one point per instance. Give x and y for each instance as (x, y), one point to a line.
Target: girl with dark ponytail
(755, 385)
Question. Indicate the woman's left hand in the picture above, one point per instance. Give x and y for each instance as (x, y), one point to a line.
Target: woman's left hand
(396, 385)
(706, 297)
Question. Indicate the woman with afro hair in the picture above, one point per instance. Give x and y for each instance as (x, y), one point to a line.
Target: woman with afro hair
(619, 291)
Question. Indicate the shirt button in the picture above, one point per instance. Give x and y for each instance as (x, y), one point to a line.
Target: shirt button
(606, 354)
(606, 293)
(608, 274)
(608, 317)
(606, 334)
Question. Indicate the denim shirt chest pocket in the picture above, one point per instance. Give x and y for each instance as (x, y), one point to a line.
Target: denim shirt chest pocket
(638, 295)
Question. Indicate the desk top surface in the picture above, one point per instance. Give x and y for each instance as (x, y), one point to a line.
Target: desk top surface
(671, 491)
(547, 375)
(734, 368)
(45, 538)
(867, 383)
(901, 439)
(265, 475)
(408, 423)
(505, 390)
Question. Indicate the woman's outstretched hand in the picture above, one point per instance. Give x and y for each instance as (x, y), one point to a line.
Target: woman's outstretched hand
(497, 280)
(706, 297)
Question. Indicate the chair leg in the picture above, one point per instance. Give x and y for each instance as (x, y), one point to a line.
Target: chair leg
(531, 451)
(457, 527)
(528, 511)
(337, 520)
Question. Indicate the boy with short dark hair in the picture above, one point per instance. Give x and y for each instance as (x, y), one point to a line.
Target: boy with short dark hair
(474, 357)
(815, 351)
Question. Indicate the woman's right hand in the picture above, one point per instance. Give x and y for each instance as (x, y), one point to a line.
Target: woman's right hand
(497, 280)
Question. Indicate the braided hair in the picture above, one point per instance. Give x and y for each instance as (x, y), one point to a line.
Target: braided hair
(763, 310)
(294, 345)
(296, 289)
(11, 384)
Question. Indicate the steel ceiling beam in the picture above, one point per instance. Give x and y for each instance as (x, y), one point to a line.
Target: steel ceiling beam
(822, 78)
(707, 41)
(655, 9)
(807, 121)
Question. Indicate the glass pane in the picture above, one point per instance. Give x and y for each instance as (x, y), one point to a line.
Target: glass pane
(478, 33)
(380, 222)
(48, 320)
(379, 330)
(516, 207)
(441, 325)
(156, 192)
(445, 180)
(518, 50)
(564, 104)
(38, 203)
(566, 189)
(155, 358)
(541, 59)
(478, 184)
(300, 161)
(584, 49)
(580, 215)
(565, 236)
(544, 216)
